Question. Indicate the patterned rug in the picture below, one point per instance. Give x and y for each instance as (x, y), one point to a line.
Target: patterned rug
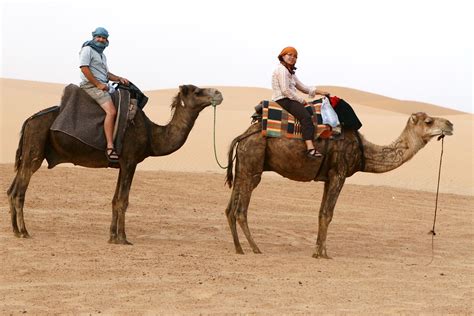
(276, 122)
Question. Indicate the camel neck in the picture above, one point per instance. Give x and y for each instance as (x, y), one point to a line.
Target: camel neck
(171, 137)
(380, 159)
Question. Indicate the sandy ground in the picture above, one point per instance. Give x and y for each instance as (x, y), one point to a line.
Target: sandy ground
(183, 260)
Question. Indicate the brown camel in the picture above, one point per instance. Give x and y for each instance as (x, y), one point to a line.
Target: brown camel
(141, 140)
(342, 158)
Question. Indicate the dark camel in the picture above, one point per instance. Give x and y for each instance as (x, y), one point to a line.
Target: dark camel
(141, 140)
(342, 158)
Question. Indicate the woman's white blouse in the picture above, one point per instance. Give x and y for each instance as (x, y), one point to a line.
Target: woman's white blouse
(284, 85)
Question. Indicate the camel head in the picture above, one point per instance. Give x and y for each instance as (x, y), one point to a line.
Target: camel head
(427, 127)
(197, 99)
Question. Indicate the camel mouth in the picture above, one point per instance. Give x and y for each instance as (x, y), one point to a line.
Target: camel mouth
(441, 132)
(217, 100)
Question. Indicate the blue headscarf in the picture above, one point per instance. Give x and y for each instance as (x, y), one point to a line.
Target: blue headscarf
(97, 46)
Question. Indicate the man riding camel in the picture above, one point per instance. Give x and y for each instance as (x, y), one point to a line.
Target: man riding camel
(95, 76)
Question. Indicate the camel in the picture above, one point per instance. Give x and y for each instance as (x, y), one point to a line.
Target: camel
(341, 159)
(142, 139)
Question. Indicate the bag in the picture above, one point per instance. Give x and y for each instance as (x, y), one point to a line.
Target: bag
(328, 114)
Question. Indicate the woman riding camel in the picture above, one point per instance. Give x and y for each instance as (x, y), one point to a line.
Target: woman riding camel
(284, 86)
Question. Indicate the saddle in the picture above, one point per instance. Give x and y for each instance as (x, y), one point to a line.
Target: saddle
(276, 122)
(82, 118)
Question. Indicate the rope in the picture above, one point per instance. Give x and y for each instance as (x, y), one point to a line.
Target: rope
(432, 231)
(214, 105)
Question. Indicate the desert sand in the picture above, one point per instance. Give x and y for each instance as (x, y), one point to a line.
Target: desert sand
(183, 260)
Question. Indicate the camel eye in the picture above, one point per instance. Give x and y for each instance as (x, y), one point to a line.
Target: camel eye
(197, 91)
(429, 121)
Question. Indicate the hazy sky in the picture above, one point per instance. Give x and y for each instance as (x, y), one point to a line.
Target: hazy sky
(406, 49)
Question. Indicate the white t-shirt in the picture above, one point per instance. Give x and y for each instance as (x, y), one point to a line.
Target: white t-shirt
(96, 62)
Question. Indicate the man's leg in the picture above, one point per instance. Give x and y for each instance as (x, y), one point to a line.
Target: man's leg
(109, 122)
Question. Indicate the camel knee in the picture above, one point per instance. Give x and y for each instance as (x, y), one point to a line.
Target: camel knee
(120, 206)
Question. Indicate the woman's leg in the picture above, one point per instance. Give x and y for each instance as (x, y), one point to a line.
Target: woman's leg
(299, 112)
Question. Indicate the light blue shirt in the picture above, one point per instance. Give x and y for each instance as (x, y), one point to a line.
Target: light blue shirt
(96, 62)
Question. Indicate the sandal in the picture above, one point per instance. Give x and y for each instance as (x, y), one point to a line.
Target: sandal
(112, 156)
(313, 153)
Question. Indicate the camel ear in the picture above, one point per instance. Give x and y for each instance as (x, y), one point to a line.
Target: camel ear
(413, 118)
(183, 89)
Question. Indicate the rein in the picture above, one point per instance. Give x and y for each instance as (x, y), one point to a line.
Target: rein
(214, 105)
(432, 231)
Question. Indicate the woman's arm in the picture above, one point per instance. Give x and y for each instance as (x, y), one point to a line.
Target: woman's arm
(311, 91)
(284, 82)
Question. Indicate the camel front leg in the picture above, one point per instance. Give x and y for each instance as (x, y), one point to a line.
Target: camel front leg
(332, 188)
(120, 204)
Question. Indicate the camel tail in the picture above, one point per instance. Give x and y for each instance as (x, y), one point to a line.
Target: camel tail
(19, 150)
(230, 165)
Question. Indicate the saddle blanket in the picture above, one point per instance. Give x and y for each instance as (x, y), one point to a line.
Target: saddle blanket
(82, 118)
(276, 122)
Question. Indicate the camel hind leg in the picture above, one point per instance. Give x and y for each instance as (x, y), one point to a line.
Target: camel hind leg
(16, 198)
(237, 210)
(30, 155)
(248, 172)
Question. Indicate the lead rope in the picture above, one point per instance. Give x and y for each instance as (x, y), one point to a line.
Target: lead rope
(432, 231)
(214, 136)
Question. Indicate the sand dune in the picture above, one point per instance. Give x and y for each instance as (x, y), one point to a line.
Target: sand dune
(383, 119)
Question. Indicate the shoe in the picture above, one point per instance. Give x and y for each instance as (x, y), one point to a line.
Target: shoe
(112, 155)
(313, 153)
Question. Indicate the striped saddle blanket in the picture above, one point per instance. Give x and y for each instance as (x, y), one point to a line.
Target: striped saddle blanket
(276, 122)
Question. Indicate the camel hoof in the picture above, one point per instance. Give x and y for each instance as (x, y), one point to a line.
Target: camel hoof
(119, 241)
(257, 251)
(22, 235)
(239, 251)
(320, 256)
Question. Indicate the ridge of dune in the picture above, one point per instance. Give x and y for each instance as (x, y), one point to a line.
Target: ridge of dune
(53, 92)
(387, 103)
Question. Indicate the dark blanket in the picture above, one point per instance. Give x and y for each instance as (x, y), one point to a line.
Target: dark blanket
(82, 118)
(346, 114)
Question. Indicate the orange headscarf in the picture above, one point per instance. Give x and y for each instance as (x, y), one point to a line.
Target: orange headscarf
(287, 50)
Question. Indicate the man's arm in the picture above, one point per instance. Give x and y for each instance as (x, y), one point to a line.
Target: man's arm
(113, 77)
(88, 74)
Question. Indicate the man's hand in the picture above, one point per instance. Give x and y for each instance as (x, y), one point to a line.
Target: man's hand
(123, 80)
(102, 86)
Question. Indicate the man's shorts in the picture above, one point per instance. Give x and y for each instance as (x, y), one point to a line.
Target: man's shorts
(100, 96)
